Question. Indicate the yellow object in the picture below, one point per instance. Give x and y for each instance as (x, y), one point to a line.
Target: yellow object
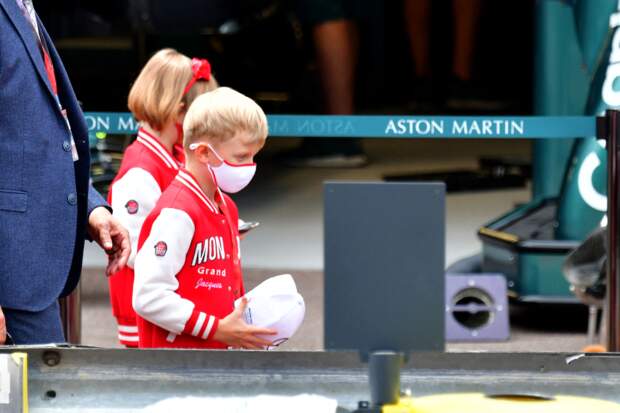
(504, 236)
(479, 403)
(405, 405)
(21, 359)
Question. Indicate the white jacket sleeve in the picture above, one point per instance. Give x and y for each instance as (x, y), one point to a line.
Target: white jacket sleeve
(157, 264)
(133, 197)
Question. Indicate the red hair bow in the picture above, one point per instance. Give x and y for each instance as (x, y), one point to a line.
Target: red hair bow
(201, 69)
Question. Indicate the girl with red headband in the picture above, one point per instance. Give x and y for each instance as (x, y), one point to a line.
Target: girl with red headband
(159, 99)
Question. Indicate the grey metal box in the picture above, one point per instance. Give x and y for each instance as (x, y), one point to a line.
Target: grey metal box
(384, 266)
(476, 307)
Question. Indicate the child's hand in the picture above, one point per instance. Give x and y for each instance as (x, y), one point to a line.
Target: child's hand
(235, 332)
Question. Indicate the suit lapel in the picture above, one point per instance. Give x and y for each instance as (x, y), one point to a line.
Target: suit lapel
(26, 32)
(66, 95)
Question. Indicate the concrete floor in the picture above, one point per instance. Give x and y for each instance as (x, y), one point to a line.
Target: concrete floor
(546, 329)
(288, 203)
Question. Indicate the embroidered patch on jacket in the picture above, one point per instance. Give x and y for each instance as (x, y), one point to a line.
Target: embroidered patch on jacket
(132, 207)
(161, 248)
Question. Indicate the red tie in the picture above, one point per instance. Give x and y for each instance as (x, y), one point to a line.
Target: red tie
(49, 66)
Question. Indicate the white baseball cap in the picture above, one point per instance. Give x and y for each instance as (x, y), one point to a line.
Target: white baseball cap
(275, 304)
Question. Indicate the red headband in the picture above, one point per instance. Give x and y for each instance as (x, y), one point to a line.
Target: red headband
(201, 69)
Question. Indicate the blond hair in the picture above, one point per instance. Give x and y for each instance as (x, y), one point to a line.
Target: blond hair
(157, 93)
(217, 115)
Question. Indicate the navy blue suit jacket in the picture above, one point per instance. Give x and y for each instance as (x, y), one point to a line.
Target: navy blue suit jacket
(45, 197)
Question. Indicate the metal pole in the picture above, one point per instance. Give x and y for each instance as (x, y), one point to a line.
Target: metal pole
(613, 274)
(592, 319)
(384, 377)
(71, 314)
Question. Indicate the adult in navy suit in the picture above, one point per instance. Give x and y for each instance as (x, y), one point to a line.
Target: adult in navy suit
(47, 205)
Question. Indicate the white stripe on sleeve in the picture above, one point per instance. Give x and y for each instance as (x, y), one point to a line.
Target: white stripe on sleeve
(199, 323)
(209, 327)
(128, 329)
(128, 338)
(155, 282)
(133, 197)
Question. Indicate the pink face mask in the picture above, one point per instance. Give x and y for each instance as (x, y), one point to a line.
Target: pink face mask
(230, 178)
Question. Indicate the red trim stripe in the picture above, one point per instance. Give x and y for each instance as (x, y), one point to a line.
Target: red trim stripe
(155, 151)
(199, 323)
(155, 145)
(192, 181)
(214, 328)
(198, 194)
(206, 334)
(236, 165)
(159, 147)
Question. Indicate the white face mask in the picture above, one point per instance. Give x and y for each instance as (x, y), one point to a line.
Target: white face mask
(229, 177)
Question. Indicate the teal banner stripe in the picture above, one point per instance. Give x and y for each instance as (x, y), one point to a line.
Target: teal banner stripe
(327, 126)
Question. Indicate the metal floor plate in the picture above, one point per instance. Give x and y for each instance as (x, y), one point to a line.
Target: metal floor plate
(97, 380)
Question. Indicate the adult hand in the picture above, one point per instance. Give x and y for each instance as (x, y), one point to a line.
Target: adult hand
(111, 236)
(2, 328)
(235, 332)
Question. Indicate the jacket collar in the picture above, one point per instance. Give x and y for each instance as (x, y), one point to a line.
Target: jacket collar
(153, 144)
(187, 179)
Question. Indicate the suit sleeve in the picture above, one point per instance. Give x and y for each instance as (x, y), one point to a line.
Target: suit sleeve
(133, 197)
(158, 262)
(95, 200)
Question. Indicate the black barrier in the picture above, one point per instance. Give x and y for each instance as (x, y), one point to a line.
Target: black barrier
(611, 131)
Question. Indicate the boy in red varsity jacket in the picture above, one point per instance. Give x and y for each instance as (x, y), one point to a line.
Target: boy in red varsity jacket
(188, 269)
(165, 88)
